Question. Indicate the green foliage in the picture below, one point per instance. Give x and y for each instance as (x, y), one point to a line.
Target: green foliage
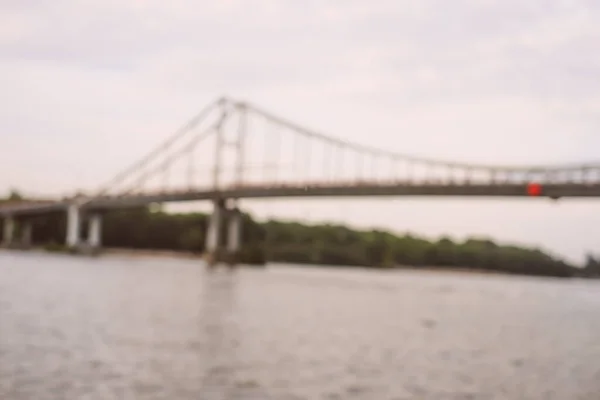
(592, 267)
(191, 239)
(339, 245)
(13, 195)
(325, 244)
(55, 247)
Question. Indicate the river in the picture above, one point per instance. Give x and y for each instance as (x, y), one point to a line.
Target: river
(157, 328)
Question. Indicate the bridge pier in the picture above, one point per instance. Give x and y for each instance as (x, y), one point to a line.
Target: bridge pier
(234, 235)
(214, 252)
(75, 242)
(73, 227)
(94, 239)
(213, 234)
(25, 231)
(8, 231)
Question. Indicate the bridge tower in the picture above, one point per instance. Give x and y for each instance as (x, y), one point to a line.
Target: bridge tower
(226, 208)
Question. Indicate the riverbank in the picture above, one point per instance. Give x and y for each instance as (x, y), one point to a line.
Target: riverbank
(182, 255)
(140, 254)
(147, 253)
(184, 235)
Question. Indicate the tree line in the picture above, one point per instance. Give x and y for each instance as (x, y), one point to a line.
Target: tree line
(591, 268)
(317, 244)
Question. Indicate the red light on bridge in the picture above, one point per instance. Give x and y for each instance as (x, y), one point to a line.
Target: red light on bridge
(534, 189)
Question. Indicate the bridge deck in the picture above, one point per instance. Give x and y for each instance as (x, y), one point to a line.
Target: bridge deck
(314, 190)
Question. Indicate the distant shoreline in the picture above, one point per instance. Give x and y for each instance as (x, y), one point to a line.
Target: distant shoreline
(181, 235)
(182, 255)
(148, 253)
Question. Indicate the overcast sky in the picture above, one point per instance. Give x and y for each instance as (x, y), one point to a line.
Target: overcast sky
(87, 87)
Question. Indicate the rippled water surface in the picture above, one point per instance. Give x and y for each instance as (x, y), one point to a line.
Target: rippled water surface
(132, 328)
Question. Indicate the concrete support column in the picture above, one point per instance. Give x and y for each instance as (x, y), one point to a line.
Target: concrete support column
(26, 232)
(73, 226)
(9, 231)
(95, 231)
(234, 235)
(213, 234)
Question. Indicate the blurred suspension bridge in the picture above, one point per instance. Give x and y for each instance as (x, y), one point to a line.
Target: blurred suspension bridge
(234, 150)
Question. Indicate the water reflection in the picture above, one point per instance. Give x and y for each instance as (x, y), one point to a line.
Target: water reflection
(219, 333)
(148, 329)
